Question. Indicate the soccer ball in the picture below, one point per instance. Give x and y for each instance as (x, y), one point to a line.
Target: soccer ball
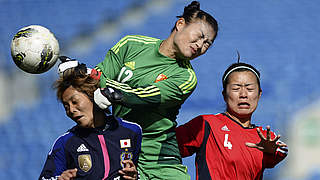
(34, 49)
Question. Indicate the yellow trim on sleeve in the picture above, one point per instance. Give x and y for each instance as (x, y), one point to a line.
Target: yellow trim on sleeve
(141, 92)
(190, 84)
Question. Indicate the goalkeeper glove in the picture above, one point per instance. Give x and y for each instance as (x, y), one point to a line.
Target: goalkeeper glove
(107, 96)
(66, 63)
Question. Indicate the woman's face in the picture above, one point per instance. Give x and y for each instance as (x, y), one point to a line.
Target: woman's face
(193, 39)
(242, 94)
(78, 107)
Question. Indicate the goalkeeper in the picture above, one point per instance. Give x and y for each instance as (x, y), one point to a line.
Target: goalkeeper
(154, 78)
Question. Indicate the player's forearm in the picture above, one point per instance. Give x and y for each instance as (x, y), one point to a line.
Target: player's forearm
(148, 96)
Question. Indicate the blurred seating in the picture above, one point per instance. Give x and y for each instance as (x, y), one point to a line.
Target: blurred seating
(275, 41)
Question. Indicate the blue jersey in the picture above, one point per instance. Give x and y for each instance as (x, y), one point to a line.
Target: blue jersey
(96, 153)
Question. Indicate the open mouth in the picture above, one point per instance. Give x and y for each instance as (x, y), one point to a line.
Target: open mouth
(193, 50)
(244, 105)
(77, 118)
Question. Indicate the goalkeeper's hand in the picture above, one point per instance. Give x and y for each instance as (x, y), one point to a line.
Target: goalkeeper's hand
(66, 63)
(107, 96)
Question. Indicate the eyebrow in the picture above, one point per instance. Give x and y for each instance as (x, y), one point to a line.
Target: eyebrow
(235, 84)
(70, 98)
(209, 41)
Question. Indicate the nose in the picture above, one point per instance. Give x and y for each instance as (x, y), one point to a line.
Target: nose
(200, 43)
(72, 109)
(243, 93)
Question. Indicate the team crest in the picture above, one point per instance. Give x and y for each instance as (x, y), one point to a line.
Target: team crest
(125, 156)
(85, 162)
(161, 77)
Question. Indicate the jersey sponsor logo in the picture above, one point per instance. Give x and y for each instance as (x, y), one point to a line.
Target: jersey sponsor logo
(130, 65)
(82, 148)
(161, 77)
(225, 128)
(85, 162)
(125, 143)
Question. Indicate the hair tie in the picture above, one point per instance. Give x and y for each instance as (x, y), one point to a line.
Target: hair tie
(240, 67)
(95, 74)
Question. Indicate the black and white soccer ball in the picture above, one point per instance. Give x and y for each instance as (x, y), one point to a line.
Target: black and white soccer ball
(34, 49)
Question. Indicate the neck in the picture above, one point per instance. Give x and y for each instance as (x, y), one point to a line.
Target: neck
(166, 47)
(99, 119)
(244, 121)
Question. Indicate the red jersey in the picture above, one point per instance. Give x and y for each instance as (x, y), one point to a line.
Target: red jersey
(221, 152)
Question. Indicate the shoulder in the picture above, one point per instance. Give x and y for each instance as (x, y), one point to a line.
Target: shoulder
(130, 125)
(137, 39)
(134, 43)
(61, 141)
(202, 120)
(64, 137)
(186, 78)
(210, 117)
(212, 120)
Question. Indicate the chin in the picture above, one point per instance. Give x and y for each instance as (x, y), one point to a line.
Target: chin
(81, 125)
(192, 56)
(84, 125)
(244, 114)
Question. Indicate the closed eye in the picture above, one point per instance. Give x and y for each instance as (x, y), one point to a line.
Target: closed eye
(66, 108)
(207, 44)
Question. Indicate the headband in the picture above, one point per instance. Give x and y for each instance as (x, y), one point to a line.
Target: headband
(240, 67)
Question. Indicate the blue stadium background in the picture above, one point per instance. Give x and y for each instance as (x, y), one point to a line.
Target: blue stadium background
(280, 38)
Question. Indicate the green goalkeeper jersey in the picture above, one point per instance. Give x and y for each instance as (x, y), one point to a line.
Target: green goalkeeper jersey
(154, 88)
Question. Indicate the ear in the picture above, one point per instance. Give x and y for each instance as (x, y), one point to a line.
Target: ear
(260, 93)
(224, 95)
(180, 24)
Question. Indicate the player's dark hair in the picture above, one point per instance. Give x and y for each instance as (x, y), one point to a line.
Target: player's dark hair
(192, 12)
(78, 78)
(239, 67)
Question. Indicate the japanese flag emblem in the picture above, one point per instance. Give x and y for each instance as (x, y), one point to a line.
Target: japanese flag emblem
(125, 143)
